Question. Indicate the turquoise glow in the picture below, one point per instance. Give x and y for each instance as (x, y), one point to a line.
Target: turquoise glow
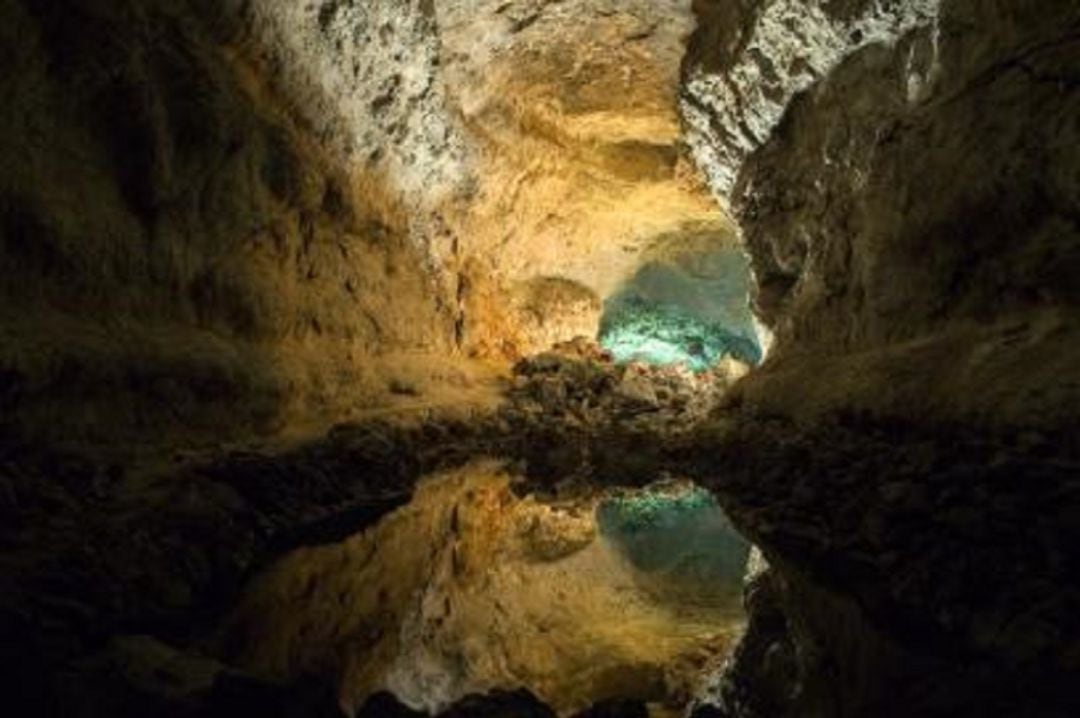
(677, 532)
(636, 329)
(693, 311)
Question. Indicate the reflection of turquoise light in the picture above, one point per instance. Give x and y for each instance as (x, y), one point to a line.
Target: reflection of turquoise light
(679, 532)
(638, 329)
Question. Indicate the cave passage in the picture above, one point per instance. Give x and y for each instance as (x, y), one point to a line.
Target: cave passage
(416, 359)
(692, 309)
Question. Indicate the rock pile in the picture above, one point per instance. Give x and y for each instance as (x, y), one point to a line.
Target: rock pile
(577, 384)
(573, 414)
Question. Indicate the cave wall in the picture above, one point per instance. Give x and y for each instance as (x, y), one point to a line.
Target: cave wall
(571, 109)
(223, 218)
(244, 214)
(181, 253)
(365, 78)
(534, 144)
(904, 176)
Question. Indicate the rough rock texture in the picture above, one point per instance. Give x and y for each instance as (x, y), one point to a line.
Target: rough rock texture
(749, 60)
(908, 196)
(220, 219)
(593, 421)
(963, 253)
(365, 76)
(575, 104)
(536, 144)
(916, 208)
(572, 113)
(179, 259)
(230, 218)
(914, 570)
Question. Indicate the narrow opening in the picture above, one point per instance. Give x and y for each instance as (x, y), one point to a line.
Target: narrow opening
(690, 305)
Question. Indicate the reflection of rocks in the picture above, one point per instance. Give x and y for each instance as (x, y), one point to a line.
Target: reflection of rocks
(894, 548)
(761, 677)
(470, 588)
(168, 543)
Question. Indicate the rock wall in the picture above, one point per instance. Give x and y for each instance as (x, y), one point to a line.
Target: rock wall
(749, 60)
(220, 219)
(906, 197)
(181, 256)
(223, 219)
(365, 78)
(535, 144)
(571, 108)
(904, 175)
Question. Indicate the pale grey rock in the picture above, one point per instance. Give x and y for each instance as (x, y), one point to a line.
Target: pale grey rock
(366, 75)
(791, 45)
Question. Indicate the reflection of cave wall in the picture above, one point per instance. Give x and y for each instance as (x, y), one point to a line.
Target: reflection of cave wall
(470, 588)
(905, 178)
(692, 306)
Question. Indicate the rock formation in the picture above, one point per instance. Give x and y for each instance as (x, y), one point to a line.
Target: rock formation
(902, 173)
(267, 267)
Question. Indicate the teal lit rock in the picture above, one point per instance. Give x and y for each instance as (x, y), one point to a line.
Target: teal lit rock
(692, 310)
(637, 329)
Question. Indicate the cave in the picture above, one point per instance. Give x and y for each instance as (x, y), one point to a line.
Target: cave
(539, 358)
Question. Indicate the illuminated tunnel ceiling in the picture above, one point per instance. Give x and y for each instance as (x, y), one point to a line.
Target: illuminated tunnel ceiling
(537, 143)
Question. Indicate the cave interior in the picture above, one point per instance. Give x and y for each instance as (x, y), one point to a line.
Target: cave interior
(540, 358)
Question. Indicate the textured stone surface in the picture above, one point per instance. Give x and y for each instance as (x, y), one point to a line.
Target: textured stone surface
(365, 75)
(533, 142)
(751, 59)
(572, 111)
(907, 575)
(908, 197)
(913, 210)
(179, 258)
(236, 218)
(221, 219)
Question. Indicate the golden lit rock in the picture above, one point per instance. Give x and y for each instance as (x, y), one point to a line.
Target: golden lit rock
(470, 588)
